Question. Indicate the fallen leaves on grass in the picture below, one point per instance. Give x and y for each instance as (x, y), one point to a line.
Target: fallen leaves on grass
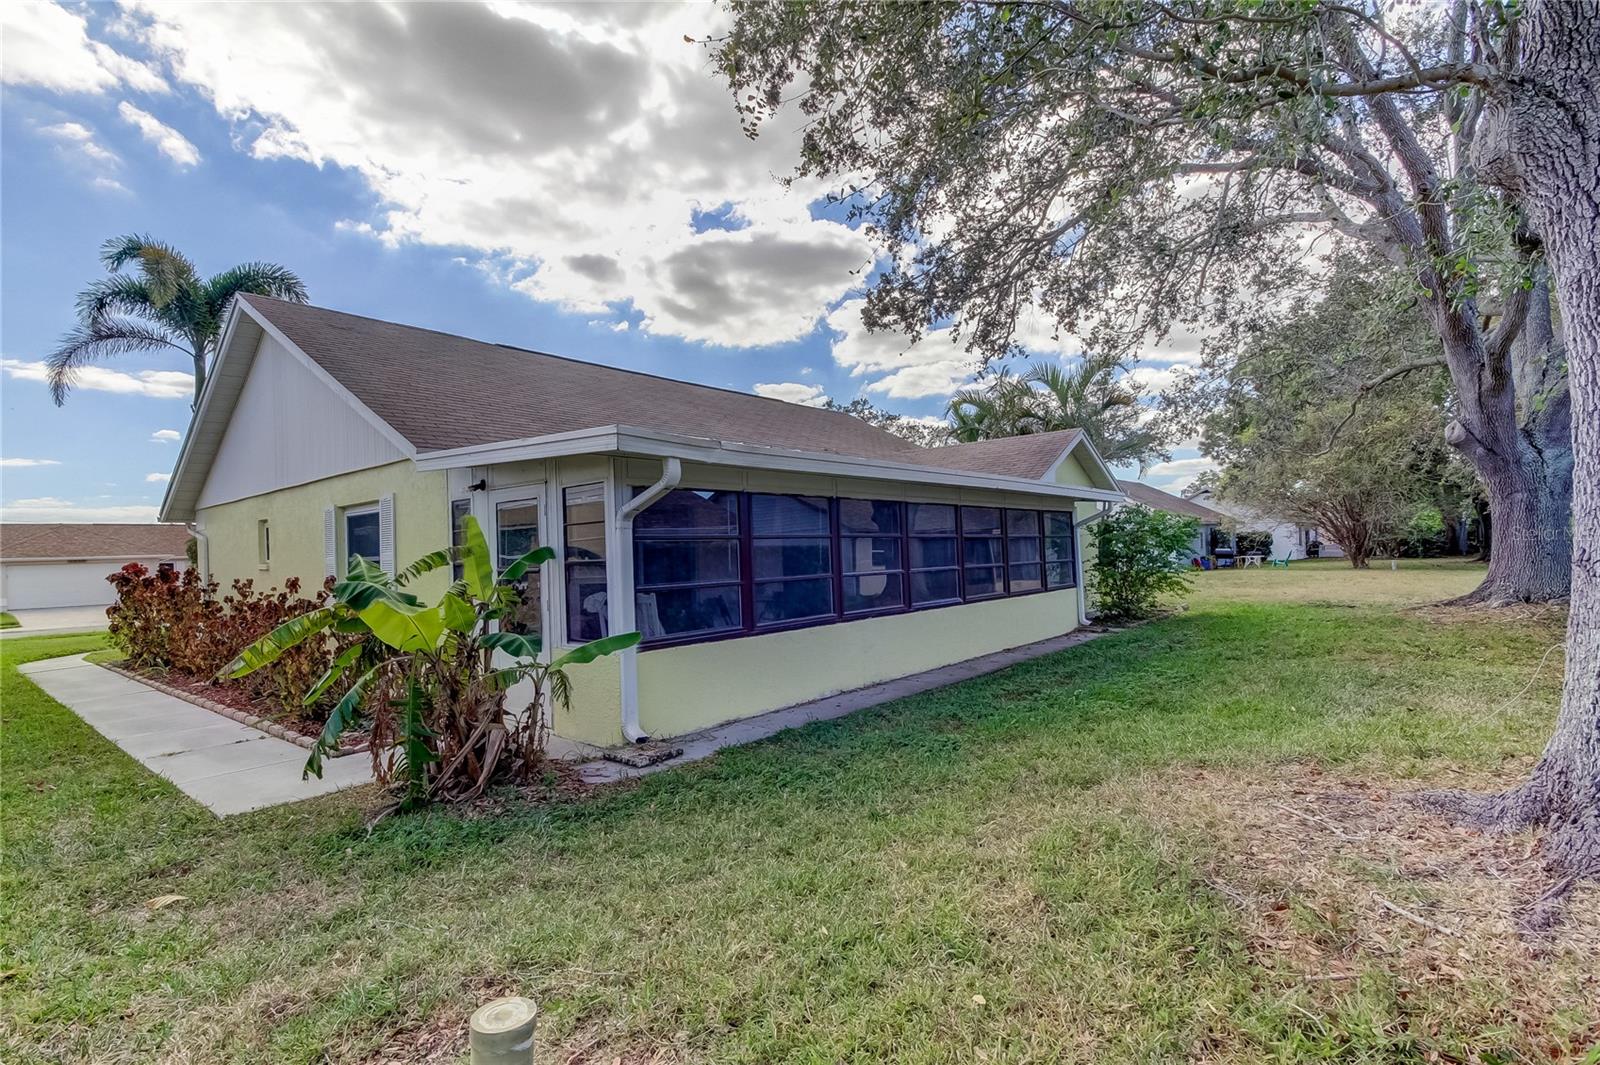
(1336, 879)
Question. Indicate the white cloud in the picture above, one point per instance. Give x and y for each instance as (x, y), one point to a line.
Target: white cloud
(157, 478)
(168, 141)
(19, 463)
(161, 384)
(80, 137)
(48, 46)
(49, 508)
(165, 436)
(793, 392)
(933, 366)
(567, 147)
(1178, 474)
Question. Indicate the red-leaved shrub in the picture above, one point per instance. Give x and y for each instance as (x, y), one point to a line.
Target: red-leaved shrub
(173, 621)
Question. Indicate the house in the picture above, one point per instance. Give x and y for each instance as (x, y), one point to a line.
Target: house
(1211, 522)
(770, 553)
(1269, 534)
(60, 565)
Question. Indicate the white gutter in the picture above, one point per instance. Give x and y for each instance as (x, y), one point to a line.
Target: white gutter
(622, 611)
(622, 439)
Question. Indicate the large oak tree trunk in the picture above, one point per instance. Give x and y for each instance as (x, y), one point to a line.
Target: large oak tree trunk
(1544, 144)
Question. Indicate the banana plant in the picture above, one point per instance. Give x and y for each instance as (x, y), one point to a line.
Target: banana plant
(426, 674)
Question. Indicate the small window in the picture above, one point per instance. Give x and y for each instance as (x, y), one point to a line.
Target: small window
(982, 552)
(585, 562)
(934, 565)
(791, 557)
(1024, 551)
(1059, 555)
(263, 543)
(687, 565)
(362, 534)
(459, 509)
(870, 543)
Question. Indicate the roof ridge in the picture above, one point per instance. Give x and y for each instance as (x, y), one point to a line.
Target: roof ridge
(585, 362)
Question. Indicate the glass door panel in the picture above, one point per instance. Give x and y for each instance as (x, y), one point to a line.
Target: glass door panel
(517, 533)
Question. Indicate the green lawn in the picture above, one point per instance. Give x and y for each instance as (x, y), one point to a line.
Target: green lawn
(955, 877)
(8, 621)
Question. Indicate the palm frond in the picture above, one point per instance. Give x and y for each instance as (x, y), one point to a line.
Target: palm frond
(103, 338)
(258, 279)
(119, 294)
(166, 270)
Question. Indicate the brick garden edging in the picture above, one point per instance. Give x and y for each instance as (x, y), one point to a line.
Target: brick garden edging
(244, 717)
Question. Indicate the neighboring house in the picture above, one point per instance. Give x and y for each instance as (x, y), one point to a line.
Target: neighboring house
(1211, 521)
(770, 553)
(1289, 539)
(66, 565)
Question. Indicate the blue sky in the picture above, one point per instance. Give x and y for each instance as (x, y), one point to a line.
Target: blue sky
(570, 179)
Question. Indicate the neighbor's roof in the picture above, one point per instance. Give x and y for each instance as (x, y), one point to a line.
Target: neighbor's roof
(1156, 499)
(99, 541)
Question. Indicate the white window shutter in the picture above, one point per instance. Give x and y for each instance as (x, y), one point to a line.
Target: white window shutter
(386, 534)
(330, 542)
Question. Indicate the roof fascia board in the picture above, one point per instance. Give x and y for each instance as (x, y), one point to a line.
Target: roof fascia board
(186, 449)
(629, 440)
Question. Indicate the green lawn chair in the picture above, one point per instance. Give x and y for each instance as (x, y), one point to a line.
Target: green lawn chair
(1282, 562)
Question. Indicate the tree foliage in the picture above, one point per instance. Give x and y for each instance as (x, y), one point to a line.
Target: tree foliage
(919, 432)
(1088, 395)
(166, 305)
(1333, 415)
(1141, 555)
(1122, 166)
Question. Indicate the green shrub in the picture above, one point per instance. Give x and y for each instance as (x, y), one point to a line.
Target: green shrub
(1140, 556)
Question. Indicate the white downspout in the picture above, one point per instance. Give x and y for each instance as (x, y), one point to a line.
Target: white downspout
(202, 552)
(622, 615)
(1077, 554)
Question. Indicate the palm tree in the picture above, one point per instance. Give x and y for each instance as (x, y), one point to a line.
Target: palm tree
(167, 305)
(1006, 406)
(1050, 397)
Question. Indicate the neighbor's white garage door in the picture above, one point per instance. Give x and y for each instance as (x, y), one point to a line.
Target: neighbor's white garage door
(36, 585)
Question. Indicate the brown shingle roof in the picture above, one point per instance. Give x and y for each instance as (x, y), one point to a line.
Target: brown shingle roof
(1156, 499)
(1018, 456)
(441, 391)
(65, 541)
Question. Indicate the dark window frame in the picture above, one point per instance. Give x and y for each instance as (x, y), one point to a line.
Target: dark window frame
(746, 540)
(570, 565)
(740, 538)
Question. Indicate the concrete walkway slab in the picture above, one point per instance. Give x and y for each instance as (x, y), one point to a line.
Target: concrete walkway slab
(53, 620)
(227, 767)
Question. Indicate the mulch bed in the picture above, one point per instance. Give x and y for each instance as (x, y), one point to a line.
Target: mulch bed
(241, 706)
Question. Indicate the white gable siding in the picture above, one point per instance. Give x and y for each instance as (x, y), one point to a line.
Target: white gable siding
(289, 428)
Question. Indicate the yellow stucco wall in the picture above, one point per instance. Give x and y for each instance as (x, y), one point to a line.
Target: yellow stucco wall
(682, 689)
(421, 525)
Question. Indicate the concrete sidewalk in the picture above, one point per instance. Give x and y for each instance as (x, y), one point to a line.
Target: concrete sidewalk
(227, 767)
(53, 620)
